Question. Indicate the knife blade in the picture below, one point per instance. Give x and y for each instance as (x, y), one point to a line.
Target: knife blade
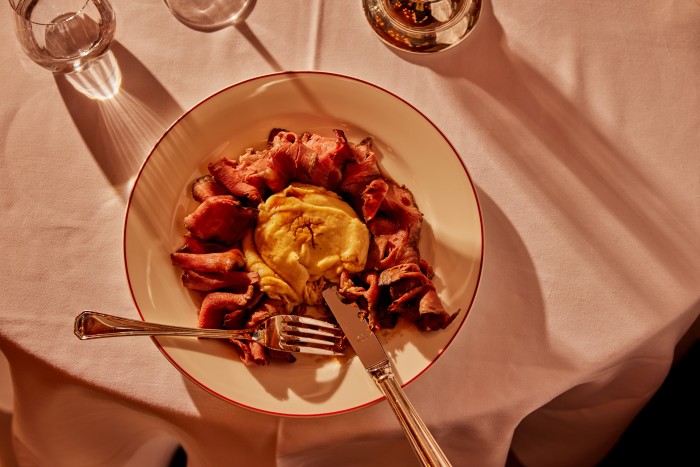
(376, 361)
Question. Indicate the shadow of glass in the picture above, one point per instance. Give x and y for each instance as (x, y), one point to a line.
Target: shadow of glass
(250, 36)
(120, 130)
(521, 94)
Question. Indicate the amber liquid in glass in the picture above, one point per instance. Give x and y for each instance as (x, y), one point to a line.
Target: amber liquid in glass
(412, 13)
(422, 26)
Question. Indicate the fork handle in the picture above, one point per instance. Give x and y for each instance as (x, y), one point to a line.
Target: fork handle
(422, 441)
(91, 325)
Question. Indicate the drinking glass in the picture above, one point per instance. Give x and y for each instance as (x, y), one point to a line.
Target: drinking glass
(64, 36)
(209, 15)
(422, 26)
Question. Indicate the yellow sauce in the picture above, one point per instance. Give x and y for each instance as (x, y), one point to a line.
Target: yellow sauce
(305, 235)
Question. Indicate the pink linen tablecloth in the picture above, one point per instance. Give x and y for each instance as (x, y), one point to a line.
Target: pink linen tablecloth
(578, 122)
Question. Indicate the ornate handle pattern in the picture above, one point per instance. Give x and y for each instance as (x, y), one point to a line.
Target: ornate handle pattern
(91, 325)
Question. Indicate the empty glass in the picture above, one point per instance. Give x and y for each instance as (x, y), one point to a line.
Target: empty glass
(64, 35)
(209, 15)
(422, 26)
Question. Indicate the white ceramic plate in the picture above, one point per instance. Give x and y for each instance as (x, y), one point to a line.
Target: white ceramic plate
(410, 149)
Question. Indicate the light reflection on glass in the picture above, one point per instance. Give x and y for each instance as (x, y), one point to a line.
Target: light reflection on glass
(100, 80)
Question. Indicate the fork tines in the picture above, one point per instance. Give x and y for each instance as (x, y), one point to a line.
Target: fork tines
(310, 321)
(304, 334)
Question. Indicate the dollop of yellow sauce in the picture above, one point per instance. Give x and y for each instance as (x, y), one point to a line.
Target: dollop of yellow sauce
(305, 235)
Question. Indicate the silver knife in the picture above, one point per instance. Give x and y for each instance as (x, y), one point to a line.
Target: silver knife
(376, 362)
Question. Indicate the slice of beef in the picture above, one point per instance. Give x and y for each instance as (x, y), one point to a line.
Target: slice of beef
(373, 197)
(266, 308)
(364, 290)
(432, 313)
(395, 229)
(413, 296)
(226, 261)
(308, 158)
(198, 246)
(250, 353)
(282, 170)
(235, 319)
(305, 158)
(291, 159)
(207, 186)
(243, 178)
(403, 272)
(257, 351)
(229, 310)
(389, 243)
(426, 268)
(221, 219)
(277, 134)
(407, 302)
(217, 305)
(359, 172)
(207, 282)
(332, 155)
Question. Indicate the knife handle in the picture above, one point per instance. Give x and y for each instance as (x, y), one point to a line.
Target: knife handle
(422, 442)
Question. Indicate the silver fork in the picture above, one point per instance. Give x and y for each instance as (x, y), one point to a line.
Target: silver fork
(288, 333)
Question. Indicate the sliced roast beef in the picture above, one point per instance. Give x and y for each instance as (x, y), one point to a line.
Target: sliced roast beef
(281, 170)
(372, 198)
(235, 319)
(389, 244)
(221, 219)
(217, 305)
(360, 171)
(308, 158)
(403, 272)
(257, 351)
(277, 135)
(291, 157)
(198, 246)
(413, 295)
(266, 308)
(209, 281)
(250, 353)
(432, 313)
(332, 157)
(243, 179)
(364, 290)
(225, 261)
(207, 186)
(395, 229)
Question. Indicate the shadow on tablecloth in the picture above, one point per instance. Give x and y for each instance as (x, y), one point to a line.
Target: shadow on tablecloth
(120, 131)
